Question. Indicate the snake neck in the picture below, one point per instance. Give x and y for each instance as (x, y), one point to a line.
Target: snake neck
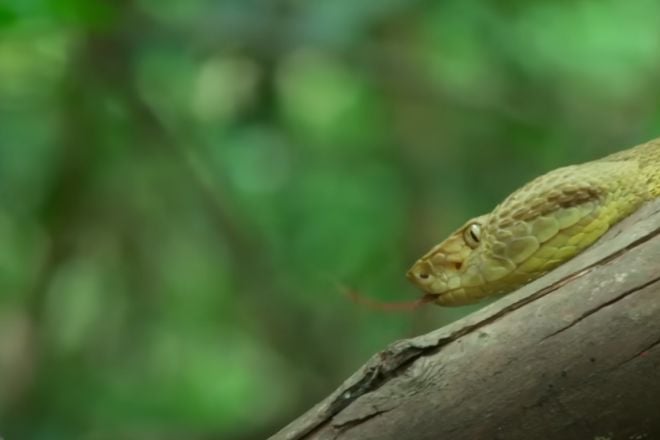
(647, 156)
(651, 167)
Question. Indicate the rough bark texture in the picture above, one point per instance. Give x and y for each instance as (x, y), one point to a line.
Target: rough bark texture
(573, 355)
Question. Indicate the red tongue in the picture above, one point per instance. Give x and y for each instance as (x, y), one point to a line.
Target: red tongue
(384, 306)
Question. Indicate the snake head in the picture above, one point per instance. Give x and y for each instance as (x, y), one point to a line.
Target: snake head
(534, 230)
(445, 270)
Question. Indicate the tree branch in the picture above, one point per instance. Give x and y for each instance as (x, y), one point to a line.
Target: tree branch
(572, 355)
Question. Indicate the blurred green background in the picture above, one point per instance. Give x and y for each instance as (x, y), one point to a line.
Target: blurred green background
(186, 185)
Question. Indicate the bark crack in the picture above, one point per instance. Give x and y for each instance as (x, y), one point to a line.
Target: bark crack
(602, 306)
(345, 426)
(642, 353)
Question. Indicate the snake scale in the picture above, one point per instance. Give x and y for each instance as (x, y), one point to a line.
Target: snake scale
(538, 227)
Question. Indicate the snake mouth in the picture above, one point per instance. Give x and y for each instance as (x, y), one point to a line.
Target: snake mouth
(448, 292)
(433, 296)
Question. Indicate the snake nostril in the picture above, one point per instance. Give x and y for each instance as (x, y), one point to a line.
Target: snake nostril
(423, 275)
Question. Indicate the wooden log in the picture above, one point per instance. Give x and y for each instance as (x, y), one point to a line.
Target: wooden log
(572, 355)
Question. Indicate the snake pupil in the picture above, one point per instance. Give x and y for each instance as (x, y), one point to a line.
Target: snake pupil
(474, 235)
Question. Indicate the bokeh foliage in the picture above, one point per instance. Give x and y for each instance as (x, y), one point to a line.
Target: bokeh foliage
(188, 186)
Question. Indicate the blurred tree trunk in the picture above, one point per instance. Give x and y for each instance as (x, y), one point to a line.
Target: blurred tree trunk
(573, 355)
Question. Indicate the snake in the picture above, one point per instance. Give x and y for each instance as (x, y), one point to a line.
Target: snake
(538, 227)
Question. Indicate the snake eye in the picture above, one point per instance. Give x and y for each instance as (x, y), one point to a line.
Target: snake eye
(472, 235)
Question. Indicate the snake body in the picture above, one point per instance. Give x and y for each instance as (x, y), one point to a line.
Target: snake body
(538, 227)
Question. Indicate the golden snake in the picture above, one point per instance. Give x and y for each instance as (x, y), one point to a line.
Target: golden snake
(538, 227)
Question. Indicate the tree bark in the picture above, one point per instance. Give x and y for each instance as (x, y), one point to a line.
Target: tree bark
(572, 355)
